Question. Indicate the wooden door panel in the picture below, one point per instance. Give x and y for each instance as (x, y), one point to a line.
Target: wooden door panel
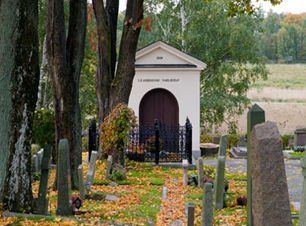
(160, 104)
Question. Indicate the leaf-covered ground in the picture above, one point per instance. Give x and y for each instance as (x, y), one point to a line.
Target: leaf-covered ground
(140, 199)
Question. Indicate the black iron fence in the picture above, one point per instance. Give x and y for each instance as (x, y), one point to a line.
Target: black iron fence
(160, 143)
(153, 143)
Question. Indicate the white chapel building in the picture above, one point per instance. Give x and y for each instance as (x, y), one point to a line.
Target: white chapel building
(166, 86)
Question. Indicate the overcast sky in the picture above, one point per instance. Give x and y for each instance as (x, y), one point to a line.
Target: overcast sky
(287, 6)
(292, 6)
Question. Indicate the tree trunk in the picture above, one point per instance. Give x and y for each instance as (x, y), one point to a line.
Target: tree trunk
(65, 59)
(19, 74)
(42, 72)
(112, 90)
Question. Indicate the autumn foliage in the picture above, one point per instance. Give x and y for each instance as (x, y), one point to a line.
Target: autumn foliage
(116, 127)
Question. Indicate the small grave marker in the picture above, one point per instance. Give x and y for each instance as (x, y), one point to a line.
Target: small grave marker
(109, 167)
(219, 183)
(190, 221)
(81, 181)
(40, 154)
(200, 173)
(165, 191)
(41, 200)
(92, 167)
(207, 205)
(223, 145)
(35, 163)
(185, 171)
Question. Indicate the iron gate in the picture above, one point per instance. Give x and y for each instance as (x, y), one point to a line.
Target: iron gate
(160, 143)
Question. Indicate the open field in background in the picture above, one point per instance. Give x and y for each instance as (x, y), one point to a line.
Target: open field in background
(282, 96)
(286, 76)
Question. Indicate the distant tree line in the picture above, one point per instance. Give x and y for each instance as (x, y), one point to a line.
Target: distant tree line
(283, 38)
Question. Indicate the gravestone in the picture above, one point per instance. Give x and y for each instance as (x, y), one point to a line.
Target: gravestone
(302, 220)
(35, 163)
(207, 205)
(165, 191)
(42, 201)
(190, 217)
(256, 115)
(111, 197)
(223, 145)
(219, 183)
(92, 138)
(108, 167)
(81, 181)
(200, 172)
(240, 151)
(270, 198)
(242, 142)
(216, 140)
(300, 137)
(185, 171)
(92, 167)
(40, 154)
(176, 223)
(64, 206)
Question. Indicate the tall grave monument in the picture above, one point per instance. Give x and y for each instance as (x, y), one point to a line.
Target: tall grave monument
(270, 198)
(256, 115)
(64, 206)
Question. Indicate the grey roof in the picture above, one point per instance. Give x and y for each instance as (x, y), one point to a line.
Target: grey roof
(165, 66)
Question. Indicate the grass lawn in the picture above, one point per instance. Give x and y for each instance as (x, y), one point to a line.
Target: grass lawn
(299, 154)
(289, 76)
(140, 199)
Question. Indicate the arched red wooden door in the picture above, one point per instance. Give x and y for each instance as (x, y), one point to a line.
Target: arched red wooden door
(159, 104)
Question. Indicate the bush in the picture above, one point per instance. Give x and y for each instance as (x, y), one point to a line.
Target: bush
(285, 140)
(298, 148)
(44, 128)
(115, 131)
(233, 140)
(206, 138)
(84, 144)
(118, 173)
(241, 201)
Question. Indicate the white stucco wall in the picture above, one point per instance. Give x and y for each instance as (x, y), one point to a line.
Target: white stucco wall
(185, 86)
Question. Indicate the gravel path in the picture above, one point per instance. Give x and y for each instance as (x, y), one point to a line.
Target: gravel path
(293, 173)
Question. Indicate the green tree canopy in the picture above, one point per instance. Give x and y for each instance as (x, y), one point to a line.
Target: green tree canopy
(228, 45)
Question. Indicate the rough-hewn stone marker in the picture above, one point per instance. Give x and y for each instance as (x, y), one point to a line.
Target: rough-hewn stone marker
(185, 171)
(302, 221)
(270, 198)
(108, 167)
(207, 205)
(256, 115)
(219, 183)
(92, 167)
(200, 173)
(190, 219)
(223, 145)
(64, 206)
(81, 181)
(41, 200)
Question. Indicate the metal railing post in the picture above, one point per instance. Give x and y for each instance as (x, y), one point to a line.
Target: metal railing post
(189, 140)
(156, 128)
